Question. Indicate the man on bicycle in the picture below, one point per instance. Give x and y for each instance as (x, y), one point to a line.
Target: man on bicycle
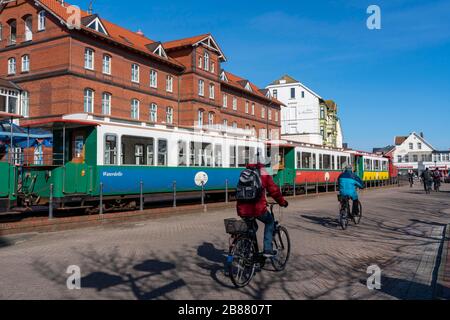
(258, 208)
(348, 182)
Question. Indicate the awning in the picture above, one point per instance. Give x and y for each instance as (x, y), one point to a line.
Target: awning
(57, 123)
(8, 116)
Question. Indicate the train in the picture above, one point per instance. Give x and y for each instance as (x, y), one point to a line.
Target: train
(121, 162)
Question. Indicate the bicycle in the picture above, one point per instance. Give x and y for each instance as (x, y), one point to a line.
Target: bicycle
(345, 212)
(244, 254)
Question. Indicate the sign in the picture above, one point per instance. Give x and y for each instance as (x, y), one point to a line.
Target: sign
(201, 178)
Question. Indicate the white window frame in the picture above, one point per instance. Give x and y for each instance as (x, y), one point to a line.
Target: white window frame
(253, 109)
(135, 103)
(212, 90)
(26, 63)
(263, 112)
(211, 118)
(200, 116)
(169, 115)
(41, 20)
(28, 34)
(201, 88)
(234, 103)
(206, 61)
(25, 104)
(246, 107)
(225, 100)
(89, 57)
(153, 78)
(269, 114)
(106, 103)
(107, 61)
(169, 83)
(89, 96)
(153, 112)
(12, 66)
(135, 70)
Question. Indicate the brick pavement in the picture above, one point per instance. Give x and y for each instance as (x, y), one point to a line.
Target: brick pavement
(181, 257)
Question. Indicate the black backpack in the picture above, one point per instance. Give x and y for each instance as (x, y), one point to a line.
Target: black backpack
(249, 187)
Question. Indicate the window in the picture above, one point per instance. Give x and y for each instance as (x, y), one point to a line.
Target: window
(110, 149)
(89, 59)
(234, 103)
(235, 125)
(169, 115)
(135, 109)
(153, 79)
(276, 116)
(25, 104)
(28, 28)
(270, 114)
(169, 83)
(225, 100)
(201, 88)
(263, 112)
(399, 159)
(106, 103)
(225, 123)
(233, 156)
(415, 158)
(218, 156)
(206, 61)
(200, 117)
(139, 154)
(153, 112)
(151, 152)
(303, 94)
(246, 107)
(211, 91)
(419, 146)
(1, 32)
(88, 100)
(326, 162)
(275, 94)
(211, 118)
(213, 67)
(41, 20)
(411, 146)
(322, 132)
(292, 93)
(162, 152)
(25, 63)
(135, 72)
(12, 32)
(106, 64)
(322, 112)
(253, 109)
(182, 153)
(12, 66)
(200, 62)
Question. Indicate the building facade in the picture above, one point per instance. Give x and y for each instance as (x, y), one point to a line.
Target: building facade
(413, 152)
(306, 116)
(107, 71)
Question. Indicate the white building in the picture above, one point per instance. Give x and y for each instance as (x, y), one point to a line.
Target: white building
(306, 116)
(413, 152)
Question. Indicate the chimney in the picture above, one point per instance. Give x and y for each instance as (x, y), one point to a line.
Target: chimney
(421, 135)
(90, 8)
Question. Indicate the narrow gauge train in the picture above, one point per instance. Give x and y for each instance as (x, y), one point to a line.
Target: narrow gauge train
(119, 160)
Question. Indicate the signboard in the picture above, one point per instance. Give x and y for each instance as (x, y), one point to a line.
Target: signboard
(201, 178)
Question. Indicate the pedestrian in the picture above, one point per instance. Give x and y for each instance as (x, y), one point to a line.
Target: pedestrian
(427, 180)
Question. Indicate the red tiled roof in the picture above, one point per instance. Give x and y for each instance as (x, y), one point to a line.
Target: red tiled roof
(400, 140)
(238, 82)
(115, 33)
(184, 42)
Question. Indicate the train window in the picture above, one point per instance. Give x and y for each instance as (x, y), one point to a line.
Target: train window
(232, 156)
(162, 152)
(385, 166)
(78, 146)
(151, 152)
(139, 154)
(306, 160)
(122, 153)
(110, 149)
(242, 156)
(376, 165)
(252, 155)
(333, 162)
(367, 165)
(320, 161)
(182, 153)
(326, 161)
(299, 160)
(208, 154)
(218, 156)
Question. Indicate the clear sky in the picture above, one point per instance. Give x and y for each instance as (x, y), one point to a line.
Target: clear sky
(386, 82)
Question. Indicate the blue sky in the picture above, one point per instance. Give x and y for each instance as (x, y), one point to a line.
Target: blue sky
(386, 82)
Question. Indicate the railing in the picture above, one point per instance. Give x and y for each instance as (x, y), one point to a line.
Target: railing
(44, 159)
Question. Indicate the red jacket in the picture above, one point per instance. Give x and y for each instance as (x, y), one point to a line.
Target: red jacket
(256, 209)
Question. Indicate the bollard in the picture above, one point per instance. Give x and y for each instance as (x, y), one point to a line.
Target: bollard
(295, 187)
(335, 185)
(306, 188)
(203, 196)
(326, 186)
(226, 190)
(174, 193)
(101, 197)
(141, 196)
(50, 203)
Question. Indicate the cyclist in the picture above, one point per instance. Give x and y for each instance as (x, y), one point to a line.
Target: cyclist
(258, 208)
(348, 182)
(411, 178)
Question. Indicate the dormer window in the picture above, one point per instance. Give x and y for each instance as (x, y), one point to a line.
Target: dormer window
(248, 86)
(97, 25)
(28, 28)
(12, 32)
(223, 76)
(160, 51)
(206, 61)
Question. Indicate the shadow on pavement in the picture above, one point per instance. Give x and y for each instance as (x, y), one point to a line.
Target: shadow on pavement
(323, 221)
(5, 243)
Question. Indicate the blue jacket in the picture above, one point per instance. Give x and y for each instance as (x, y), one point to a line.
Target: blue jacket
(348, 182)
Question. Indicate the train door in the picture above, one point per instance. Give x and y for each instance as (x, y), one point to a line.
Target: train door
(77, 172)
(358, 165)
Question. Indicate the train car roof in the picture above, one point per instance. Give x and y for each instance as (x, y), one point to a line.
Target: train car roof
(52, 123)
(6, 115)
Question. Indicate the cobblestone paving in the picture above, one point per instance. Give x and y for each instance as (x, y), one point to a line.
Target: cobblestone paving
(182, 257)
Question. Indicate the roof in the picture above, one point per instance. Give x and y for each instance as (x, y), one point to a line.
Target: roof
(331, 105)
(120, 35)
(240, 83)
(286, 79)
(6, 115)
(8, 84)
(206, 39)
(400, 139)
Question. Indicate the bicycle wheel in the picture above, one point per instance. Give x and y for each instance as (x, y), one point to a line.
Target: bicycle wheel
(242, 268)
(282, 243)
(357, 219)
(343, 217)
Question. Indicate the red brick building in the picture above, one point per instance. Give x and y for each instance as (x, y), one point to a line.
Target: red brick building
(106, 70)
